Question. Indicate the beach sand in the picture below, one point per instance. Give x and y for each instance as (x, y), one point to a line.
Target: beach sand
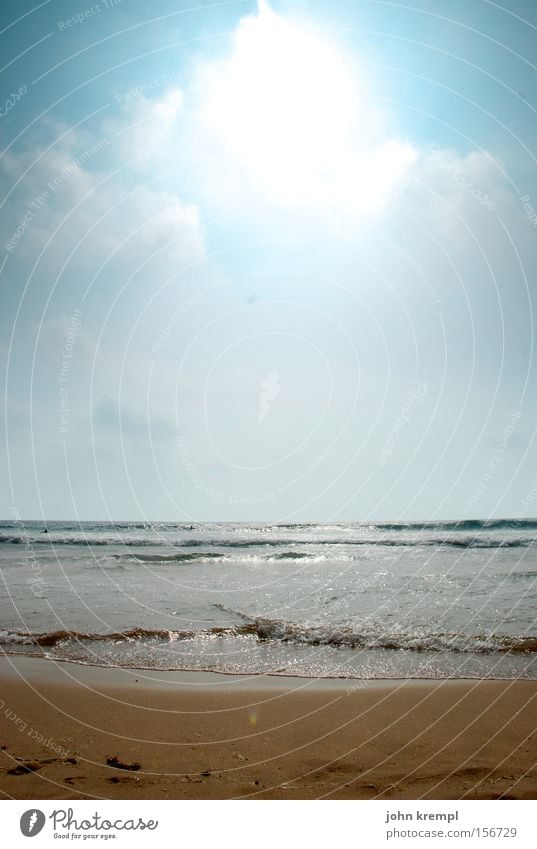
(208, 736)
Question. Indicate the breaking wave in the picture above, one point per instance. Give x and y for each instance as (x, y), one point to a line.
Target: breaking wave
(200, 557)
(238, 544)
(264, 630)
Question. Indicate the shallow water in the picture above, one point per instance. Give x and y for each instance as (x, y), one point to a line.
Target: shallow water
(355, 600)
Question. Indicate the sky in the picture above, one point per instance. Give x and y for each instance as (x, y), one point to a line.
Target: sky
(268, 261)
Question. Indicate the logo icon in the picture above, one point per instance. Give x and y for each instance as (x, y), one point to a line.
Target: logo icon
(270, 389)
(32, 822)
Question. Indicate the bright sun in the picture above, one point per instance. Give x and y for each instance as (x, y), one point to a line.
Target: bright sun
(289, 110)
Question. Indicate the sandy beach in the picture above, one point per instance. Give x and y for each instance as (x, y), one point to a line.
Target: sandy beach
(75, 732)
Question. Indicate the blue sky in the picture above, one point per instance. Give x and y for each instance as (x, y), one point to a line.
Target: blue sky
(268, 262)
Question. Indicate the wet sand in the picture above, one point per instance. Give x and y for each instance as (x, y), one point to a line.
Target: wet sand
(78, 732)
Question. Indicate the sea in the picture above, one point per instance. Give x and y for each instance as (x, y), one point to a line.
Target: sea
(348, 600)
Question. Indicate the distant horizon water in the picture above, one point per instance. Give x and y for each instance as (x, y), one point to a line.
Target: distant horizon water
(467, 521)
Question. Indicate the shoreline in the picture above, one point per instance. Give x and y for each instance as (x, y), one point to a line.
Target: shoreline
(71, 731)
(38, 666)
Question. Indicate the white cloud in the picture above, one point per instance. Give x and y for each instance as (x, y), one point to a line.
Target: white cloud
(146, 128)
(81, 187)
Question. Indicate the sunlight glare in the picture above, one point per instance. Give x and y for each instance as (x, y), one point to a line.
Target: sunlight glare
(288, 107)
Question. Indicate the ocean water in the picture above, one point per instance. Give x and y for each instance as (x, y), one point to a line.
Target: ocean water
(422, 600)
